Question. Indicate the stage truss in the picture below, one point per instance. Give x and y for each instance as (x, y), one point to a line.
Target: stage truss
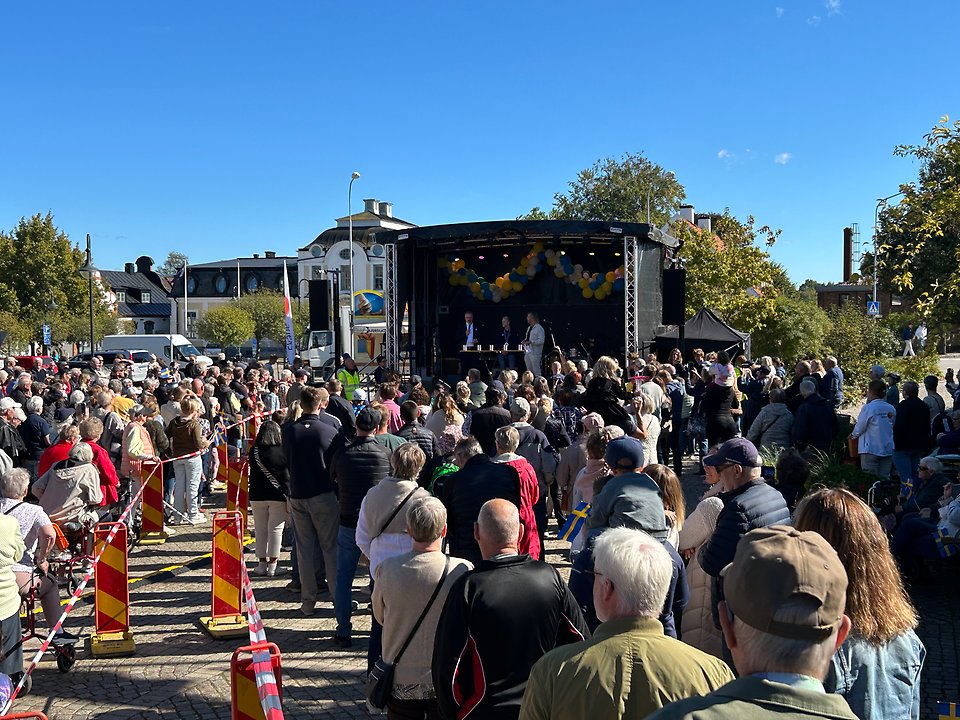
(393, 312)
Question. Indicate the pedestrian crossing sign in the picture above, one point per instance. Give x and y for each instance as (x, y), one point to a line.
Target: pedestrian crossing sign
(873, 307)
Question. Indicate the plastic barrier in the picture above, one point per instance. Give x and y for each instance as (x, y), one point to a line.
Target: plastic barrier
(245, 697)
(238, 491)
(151, 520)
(226, 619)
(112, 635)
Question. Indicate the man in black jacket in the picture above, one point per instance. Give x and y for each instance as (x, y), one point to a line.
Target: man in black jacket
(357, 468)
(911, 432)
(498, 620)
(340, 408)
(465, 491)
(310, 446)
(413, 431)
(815, 425)
(485, 421)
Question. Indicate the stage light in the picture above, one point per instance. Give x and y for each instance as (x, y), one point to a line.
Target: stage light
(616, 254)
(506, 255)
(591, 253)
(480, 257)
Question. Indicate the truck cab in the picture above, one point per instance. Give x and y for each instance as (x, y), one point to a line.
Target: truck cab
(319, 350)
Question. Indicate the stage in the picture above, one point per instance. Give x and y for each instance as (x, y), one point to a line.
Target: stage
(596, 287)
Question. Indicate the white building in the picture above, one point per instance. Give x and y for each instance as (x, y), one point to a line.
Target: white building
(330, 250)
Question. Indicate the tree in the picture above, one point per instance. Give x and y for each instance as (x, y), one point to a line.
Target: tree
(171, 266)
(858, 342)
(227, 326)
(17, 333)
(808, 290)
(265, 308)
(919, 238)
(614, 189)
(796, 330)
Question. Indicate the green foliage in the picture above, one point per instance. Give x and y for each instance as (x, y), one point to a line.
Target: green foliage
(808, 291)
(171, 266)
(728, 273)
(833, 473)
(227, 325)
(796, 330)
(919, 238)
(617, 189)
(914, 368)
(858, 342)
(18, 332)
(265, 307)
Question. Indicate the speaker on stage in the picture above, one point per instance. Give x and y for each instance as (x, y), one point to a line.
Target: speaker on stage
(674, 296)
(319, 304)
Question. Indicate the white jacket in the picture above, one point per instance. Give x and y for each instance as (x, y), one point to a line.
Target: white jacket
(874, 428)
(696, 625)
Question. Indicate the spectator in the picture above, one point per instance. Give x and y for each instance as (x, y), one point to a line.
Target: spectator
(508, 439)
(412, 431)
(90, 431)
(390, 441)
(69, 436)
(717, 406)
(573, 459)
(674, 507)
(773, 426)
(783, 620)
(541, 455)
(354, 471)
(443, 415)
(485, 421)
(10, 441)
(892, 395)
(915, 539)
(815, 425)
(464, 492)
(932, 398)
(498, 620)
(831, 386)
(877, 668)
(402, 587)
(911, 437)
(309, 445)
(792, 473)
(801, 372)
(35, 432)
(629, 668)
(605, 395)
(388, 398)
(186, 442)
(268, 495)
(341, 408)
(874, 432)
(11, 551)
(69, 492)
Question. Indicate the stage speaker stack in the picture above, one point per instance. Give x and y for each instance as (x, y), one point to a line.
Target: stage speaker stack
(674, 296)
(320, 305)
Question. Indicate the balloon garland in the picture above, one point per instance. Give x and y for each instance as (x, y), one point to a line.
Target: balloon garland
(598, 286)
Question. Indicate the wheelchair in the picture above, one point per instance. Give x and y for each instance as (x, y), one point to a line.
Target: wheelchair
(72, 555)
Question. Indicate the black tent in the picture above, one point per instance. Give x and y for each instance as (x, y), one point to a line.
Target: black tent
(705, 330)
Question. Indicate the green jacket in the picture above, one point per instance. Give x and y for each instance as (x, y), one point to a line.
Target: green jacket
(628, 669)
(756, 699)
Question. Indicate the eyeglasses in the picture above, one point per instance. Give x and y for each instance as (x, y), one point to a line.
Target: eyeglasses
(925, 469)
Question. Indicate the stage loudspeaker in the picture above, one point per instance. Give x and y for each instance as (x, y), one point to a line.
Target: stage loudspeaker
(319, 304)
(674, 296)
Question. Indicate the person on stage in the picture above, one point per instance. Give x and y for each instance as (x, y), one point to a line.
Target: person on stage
(533, 344)
(470, 343)
(506, 341)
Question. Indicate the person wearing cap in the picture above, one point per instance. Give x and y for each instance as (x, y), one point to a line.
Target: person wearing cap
(629, 668)
(892, 395)
(355, 469)
(874, 432)
(783, 619)
(748, 503)
(10, 441)
(349, 375)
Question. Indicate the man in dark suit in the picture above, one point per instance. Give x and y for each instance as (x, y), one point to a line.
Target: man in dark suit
(507, 338)
(470, 339)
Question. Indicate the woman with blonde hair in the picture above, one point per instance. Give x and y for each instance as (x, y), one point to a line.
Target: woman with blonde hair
(445, 413)
(672, 494)
(605, 395)
(877, 669)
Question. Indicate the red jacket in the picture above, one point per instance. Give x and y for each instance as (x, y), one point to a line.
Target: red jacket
(52, 455)
(108, 473)
(529, 495)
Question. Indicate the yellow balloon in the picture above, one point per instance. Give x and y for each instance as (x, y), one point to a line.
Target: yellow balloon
(587, 293)
(611, 276)
(599, 295)
(584, 283)
(607, 287)
(517, 287)
(551, 261)
(475, 287)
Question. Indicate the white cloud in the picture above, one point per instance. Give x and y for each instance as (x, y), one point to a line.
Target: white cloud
(779, 12)
(815, 20)
(783, 158)
(832, 6)
(724, 154)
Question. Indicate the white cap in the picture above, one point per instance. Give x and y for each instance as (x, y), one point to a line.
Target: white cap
(8, 404)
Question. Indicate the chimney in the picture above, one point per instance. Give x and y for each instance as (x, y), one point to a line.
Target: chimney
(129, 268)
(270, 254)
(256, 256)
(371, 206)
(686, 212)
(386, 209)
(705, 223)
(847, 254)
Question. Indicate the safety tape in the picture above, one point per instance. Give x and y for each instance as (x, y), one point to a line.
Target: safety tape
(72, 601)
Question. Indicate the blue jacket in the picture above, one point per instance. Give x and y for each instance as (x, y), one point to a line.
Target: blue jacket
(310, 445)
(831, 386)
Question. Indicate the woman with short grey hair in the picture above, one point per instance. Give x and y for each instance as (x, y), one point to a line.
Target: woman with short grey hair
(36, 433)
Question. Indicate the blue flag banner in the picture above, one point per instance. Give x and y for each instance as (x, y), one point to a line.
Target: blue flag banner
(946, 549)
(288, 316)
(947, 711)
(166, 373)
(219, 436)
(575, 522)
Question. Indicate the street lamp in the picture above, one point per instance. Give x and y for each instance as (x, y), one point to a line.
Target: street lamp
(88, 271)
(353, 176)
(876, 232)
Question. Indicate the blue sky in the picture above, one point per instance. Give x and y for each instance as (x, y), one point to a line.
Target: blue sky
(220, 128)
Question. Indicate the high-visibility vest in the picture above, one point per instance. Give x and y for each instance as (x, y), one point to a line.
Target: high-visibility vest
(349, 380)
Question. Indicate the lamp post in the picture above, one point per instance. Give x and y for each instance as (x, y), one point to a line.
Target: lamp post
(353, 176)
(876, 233)
(88, 271)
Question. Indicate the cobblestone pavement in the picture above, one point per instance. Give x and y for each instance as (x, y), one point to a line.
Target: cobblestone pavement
(180, 672)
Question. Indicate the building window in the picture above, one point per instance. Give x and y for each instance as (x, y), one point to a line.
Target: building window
(844, 299)
(221, 284)
(345, 278)
(896, 300)
(121, 296)
(192, 285)
(191, 323)
(253, 282)
(345, 254)
(148, 327)
(378, 277)
(145, 296)
(317, 272)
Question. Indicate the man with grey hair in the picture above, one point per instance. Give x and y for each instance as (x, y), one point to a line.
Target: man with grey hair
(831, 384)
(629, 668)
(35, 432)
(815, 422)
(499, 619)
(782, 618)
(402, 586)
(536, 448)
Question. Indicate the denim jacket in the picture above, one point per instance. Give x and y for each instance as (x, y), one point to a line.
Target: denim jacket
(879, 681)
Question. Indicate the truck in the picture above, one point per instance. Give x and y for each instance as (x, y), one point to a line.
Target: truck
(321, 347)
(168, 347)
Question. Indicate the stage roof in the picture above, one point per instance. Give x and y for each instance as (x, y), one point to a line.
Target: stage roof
(497, 232)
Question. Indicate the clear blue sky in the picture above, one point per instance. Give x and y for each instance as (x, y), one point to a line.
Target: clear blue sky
(226, 128)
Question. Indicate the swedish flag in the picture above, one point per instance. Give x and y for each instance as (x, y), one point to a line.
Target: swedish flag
(575, 521)
(166, 373)
(947, 711)
(906, 489)
(946, 549)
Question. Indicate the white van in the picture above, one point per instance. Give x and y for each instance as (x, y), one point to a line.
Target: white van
(169, 347)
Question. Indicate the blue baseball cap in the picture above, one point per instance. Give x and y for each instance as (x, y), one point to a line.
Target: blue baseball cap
(624, 453)
(738, 451)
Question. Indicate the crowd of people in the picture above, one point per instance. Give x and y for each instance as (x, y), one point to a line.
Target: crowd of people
(760, 601)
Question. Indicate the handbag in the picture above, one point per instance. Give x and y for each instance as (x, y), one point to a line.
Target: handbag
(379, 684)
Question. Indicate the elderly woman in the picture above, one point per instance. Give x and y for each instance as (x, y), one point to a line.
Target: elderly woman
(268, 495)
(35, 432)
(508, 440)
(381, 529)
(37, 537)
(69, 492)
(186, 438)
(772, 428)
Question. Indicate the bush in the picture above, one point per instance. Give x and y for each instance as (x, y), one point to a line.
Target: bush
(859, 342)
(914, 368)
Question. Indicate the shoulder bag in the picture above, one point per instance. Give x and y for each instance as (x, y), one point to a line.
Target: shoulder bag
(379, 685)
(395, 512)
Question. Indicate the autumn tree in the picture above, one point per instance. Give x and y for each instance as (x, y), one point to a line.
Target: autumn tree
(227, 325)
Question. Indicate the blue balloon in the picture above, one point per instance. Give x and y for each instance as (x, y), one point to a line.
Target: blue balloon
(461, 272)
(618, 284)
(472, 277)
(487, 293)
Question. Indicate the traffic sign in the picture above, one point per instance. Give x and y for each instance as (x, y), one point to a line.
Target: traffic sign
(46, 334)
(873, 308)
